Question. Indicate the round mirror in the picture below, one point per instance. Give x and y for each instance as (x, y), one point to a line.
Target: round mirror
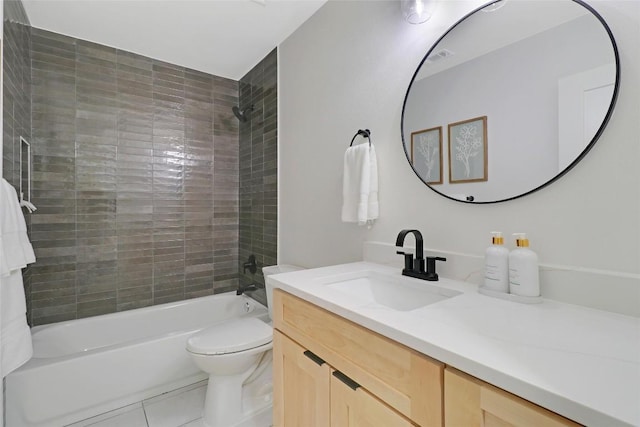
(510, 98)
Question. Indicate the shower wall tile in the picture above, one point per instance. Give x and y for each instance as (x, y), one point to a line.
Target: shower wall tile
(16, 100)
(198, 184)
(95, 178)
(258, 167)
(135, 177)
(54, 231)
(225, 219)
(134, 205)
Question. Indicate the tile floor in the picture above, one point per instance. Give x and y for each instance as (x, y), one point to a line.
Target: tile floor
(179, 408)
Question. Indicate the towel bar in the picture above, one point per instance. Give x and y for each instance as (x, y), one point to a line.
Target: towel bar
(365, 133)
(24, 193)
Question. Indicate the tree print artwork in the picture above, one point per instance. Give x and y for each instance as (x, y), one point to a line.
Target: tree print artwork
(468, 150)
(428, 149)
(468, 144)
(426, 154)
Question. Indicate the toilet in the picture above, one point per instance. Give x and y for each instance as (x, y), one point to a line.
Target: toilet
(230, 352)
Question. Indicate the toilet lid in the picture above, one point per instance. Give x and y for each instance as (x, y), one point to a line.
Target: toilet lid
(231, 337)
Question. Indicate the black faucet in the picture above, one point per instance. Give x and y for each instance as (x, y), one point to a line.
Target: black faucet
(416, 267)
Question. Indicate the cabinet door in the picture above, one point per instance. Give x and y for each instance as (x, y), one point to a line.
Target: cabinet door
(461, 400)
(352, 406)
(404, 379)
(301, 383)
(470, 402)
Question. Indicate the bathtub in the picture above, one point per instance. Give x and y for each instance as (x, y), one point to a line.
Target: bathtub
(85, 367)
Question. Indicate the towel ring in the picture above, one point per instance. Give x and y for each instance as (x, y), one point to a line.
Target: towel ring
(366, 133)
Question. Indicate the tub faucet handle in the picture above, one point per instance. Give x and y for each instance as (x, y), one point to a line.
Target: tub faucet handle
(250, 265)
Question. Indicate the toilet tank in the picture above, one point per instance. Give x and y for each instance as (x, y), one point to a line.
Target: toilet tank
(275, 269)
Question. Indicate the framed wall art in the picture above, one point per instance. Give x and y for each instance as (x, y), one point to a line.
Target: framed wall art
(468, 150)
(426, 154)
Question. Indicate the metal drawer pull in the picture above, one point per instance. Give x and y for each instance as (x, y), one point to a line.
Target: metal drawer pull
(345, 379)
(315, 358)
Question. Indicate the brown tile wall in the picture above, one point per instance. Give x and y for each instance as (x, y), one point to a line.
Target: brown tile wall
(259, 167)
(135, 178)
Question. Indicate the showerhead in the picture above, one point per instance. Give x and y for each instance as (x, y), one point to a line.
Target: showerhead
(242, 114)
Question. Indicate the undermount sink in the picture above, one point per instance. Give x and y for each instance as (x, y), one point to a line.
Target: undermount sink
(399, 293)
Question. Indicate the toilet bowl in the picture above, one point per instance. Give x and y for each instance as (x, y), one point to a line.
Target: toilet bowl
(230, 352)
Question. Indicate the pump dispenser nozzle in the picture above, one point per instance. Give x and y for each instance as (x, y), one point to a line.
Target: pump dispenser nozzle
(521, 240)
(496, 238)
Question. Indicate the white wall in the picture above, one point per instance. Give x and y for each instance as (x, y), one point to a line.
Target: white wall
(348, 67)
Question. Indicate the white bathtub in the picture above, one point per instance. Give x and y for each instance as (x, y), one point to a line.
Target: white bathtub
(82, 368)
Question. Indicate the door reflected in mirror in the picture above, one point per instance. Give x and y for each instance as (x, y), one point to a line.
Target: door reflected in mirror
(543, 74)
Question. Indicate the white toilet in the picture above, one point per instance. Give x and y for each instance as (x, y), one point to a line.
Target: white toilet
(230, 352)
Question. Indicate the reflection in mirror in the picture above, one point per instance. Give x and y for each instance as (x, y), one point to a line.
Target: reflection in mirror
(544, 74)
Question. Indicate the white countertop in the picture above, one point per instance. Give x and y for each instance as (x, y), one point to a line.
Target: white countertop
(581, 363)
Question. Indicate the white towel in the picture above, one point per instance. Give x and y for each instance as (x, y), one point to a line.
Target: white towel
(15, 335)
(360, 185)
(15, 249)
(15, 253)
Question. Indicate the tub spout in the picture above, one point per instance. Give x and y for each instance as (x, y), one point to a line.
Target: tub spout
(244, 288)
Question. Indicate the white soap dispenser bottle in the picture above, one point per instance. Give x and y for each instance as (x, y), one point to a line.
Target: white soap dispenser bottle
(523, 269)
(496, 264)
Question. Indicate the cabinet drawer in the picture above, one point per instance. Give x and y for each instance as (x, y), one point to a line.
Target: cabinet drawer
(406, 380)
(472, 402)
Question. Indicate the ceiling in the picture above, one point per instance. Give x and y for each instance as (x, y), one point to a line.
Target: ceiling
(222, 37)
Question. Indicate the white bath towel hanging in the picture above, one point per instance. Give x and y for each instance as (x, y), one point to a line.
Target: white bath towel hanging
(360, 185)
(15, 249)
(15, 253)
(15, 338)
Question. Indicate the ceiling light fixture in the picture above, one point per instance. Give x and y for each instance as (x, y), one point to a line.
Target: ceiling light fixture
(417, 11)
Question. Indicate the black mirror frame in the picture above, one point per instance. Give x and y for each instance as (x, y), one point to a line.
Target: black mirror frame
(595, 138)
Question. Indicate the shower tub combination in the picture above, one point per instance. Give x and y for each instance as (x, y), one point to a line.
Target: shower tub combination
(86, 367)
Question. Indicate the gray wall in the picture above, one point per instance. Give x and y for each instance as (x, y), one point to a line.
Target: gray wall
(16, 86)
(17, 98)
(259, 167)
(135, 180)
(135, 173)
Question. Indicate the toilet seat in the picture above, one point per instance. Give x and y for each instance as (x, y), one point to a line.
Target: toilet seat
(230, 337)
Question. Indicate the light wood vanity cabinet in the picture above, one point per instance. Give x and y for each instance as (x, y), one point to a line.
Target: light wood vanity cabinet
(471, 402)
(302, 388)
(317, 354)
(396, 386)
(313, 394)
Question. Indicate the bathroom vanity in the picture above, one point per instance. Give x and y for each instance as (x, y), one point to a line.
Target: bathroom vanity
(463, 359)
(352, 372)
